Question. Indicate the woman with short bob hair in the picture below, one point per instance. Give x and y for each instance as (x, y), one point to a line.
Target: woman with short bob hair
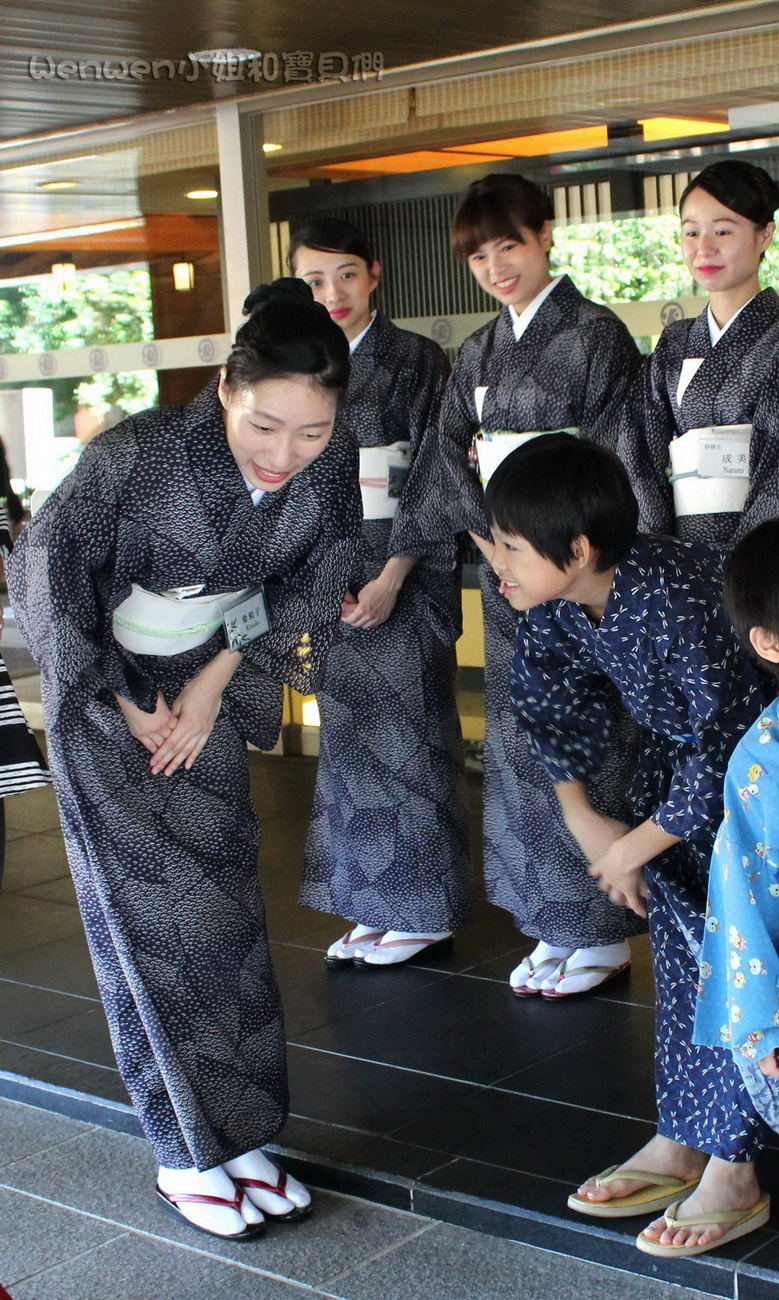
(551, 360)
(192, 563)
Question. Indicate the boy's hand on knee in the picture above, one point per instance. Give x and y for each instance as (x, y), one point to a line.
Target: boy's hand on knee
(621, 878)
(596, 834)
(619, 872)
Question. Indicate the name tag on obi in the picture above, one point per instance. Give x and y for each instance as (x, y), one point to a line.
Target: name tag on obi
(724, 452)
(245, 619)
(383, 474)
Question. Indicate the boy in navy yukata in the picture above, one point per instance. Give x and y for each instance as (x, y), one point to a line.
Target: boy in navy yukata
(603, 605)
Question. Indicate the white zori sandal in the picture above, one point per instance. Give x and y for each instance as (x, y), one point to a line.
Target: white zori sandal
(588, 969)
(343, 950)
(396, 947)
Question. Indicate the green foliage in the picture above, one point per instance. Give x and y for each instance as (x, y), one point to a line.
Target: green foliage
(625, 260)
(769, 271)
(100, 309)
(633, 258)
(133, 391)
(115, 308)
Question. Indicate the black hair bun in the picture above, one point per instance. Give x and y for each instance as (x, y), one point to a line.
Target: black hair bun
(287, 289)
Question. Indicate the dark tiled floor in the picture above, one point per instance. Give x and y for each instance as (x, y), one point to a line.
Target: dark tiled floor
(427, 1087)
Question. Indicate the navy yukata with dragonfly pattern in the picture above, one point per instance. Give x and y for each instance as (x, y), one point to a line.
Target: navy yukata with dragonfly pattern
(665, 642)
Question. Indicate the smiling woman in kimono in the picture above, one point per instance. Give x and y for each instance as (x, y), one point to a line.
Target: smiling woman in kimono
(550, 360)
(708, 392)
(138, 590)
(388, 842)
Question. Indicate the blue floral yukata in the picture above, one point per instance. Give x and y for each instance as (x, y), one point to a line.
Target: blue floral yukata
(666, 644)
(738, 993)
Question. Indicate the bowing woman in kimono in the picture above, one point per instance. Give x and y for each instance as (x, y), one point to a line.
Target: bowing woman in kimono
(193, 561)
(388, 842)
(718, 369)
(550, 360)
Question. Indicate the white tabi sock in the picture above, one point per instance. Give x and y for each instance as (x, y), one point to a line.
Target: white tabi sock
(255, 1164)
(219, 1219)
(346, 950)
(400, 945)
(545, 960)
(609, 957)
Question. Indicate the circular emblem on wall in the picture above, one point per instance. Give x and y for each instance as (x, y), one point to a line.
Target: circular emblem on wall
(47, 364)
(151, 355)
(671, 311)
(3, 368)
(442, 331)
(206, 350)
(97, 359)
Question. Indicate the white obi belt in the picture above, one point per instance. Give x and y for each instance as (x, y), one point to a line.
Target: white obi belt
(383, 474)
(492, 448)
(172, 622)
(709, 470)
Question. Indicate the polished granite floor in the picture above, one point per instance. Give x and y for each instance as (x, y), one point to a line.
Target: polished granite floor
(427, 1088)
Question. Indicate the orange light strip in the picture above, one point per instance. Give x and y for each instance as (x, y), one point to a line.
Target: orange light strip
(670, 128)
(529, 146)
(391, 164)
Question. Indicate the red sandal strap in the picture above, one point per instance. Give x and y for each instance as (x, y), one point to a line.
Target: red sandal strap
(194, 1198)
(277, 1189)
(371, 937)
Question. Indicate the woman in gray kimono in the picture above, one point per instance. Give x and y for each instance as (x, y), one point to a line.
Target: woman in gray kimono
(551, 360)
(193, 561)
(705, 400)
(388, 842)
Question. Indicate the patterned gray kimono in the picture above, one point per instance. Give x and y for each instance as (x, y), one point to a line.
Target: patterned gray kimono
(388, 841)
(569, 369)
(165, 867)
(736, 384)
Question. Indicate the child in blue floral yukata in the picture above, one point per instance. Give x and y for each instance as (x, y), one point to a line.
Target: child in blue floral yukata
(738, 994)
(602, 607)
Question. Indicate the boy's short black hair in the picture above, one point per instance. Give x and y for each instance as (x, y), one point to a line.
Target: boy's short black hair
(557, 487)
(752, 582)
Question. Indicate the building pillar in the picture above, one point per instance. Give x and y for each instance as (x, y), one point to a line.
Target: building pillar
(245, 221)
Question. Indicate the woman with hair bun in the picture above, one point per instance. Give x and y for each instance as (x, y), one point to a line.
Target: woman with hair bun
(193, 562)
(388, 841)
(703, 406)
